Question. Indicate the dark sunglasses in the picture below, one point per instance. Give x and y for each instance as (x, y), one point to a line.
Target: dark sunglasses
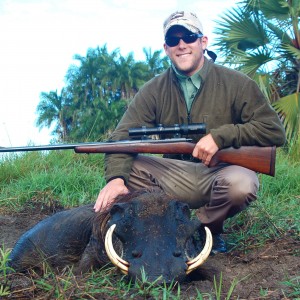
(173, 41)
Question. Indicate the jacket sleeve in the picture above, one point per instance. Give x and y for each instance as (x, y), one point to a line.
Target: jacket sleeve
(140, 111)
(255, 121)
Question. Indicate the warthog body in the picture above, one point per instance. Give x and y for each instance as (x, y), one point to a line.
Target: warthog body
(152, 232)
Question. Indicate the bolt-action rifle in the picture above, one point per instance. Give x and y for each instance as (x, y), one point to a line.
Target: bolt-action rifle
(256, 158)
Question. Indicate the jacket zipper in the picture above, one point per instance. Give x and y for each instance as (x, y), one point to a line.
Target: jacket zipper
(189, 111)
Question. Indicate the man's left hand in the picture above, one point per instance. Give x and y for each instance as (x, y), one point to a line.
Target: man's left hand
(205, 149)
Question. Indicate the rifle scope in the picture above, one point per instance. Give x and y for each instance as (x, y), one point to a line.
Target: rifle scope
(195, 128)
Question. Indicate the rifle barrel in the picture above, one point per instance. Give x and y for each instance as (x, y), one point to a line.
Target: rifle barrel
(37, 148)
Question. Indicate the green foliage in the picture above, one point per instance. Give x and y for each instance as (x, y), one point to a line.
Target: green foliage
(102, 284)
(46, 178)
(294, 284)
(260, 27)
(275, 212)
(57, 287)
(289, 108)
(294, 149)
(4, 259)
(219, 291)
(4, 290)
(96, 124)
(54, 108)
(4, 269)
(98, 90)
(262, 39)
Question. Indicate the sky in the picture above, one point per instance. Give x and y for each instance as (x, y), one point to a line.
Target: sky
(39, 39)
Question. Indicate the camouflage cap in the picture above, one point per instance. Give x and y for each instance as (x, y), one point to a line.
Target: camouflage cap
(186, 19)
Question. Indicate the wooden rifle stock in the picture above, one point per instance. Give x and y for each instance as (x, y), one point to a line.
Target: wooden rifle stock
(258, 159)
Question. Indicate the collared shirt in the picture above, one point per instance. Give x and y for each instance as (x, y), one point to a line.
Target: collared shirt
(189, 85)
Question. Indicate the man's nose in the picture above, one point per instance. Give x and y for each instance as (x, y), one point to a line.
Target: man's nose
(181, 43)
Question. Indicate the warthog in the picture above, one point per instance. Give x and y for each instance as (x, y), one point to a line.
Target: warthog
(149, 230)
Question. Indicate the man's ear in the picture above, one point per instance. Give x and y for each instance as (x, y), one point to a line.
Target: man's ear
(204, 42)
(166, 49)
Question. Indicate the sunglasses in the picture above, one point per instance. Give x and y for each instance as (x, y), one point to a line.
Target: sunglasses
(173, 41)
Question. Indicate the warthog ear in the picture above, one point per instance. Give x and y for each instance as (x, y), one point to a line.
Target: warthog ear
(117, 210)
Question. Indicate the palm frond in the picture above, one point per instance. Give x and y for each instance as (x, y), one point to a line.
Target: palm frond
(238, 30)
(280, 32)
(288, 108)
(264, 81)
(292, 50)
(257, 61)
(271, 9)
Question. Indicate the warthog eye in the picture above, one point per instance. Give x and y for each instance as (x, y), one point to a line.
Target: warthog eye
(136, 253)
(177, 253)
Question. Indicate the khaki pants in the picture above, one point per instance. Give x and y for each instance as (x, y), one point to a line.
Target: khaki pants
(217, 193)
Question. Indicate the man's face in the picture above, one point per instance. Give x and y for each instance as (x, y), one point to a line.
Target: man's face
(188, 58)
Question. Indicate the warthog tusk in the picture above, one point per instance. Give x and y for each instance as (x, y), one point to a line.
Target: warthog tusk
(111, 253)
(202, 256)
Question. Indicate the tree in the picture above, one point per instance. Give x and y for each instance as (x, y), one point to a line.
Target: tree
(262, 39)
(99, 87)
(90, 84)
(154, 62)
(123, 75)
(53, 108)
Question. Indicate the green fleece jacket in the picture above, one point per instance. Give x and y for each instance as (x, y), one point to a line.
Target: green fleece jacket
(234, 109)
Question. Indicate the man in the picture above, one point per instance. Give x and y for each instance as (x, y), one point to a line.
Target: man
(195, 90)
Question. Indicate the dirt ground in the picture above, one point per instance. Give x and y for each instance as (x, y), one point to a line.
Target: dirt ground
(261, 272)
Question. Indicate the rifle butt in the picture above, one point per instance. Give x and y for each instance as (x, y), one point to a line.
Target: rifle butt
(258, 159)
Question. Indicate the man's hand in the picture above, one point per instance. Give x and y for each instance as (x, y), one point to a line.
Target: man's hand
(205, 149)
(112, 189)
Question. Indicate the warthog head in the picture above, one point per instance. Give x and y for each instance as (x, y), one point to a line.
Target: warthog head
(155, 235)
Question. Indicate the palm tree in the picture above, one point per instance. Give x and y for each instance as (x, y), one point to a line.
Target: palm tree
(262, 39)
(94, 85)
(155, 63)
(54, 108)
(128, 75)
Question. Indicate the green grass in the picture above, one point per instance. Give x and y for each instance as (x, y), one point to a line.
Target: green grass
(101, 284)
(294, 285)
(69, 179)
(275, 213)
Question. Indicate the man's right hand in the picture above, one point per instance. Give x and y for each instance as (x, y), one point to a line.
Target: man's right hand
(109, 193)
